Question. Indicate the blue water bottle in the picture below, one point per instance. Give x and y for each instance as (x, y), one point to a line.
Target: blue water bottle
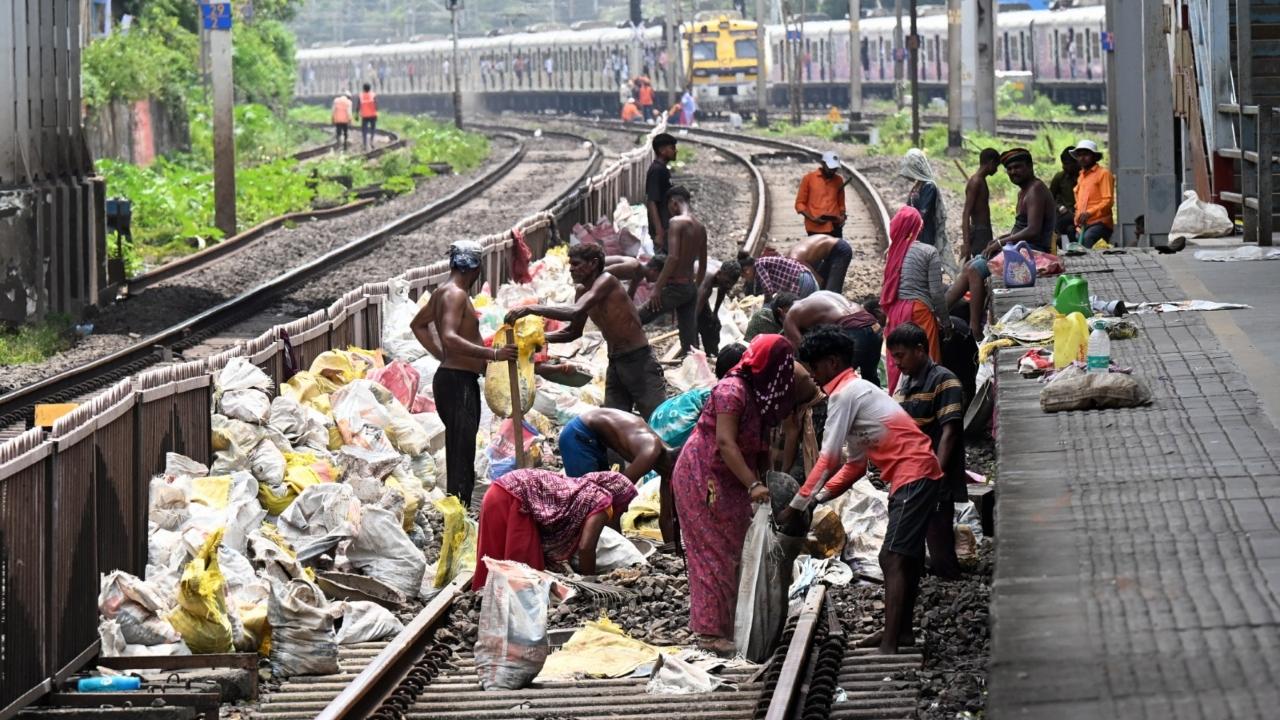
(108, 683)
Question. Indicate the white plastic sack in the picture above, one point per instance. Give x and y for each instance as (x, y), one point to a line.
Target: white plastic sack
(613, 551)
(302, 426)
(161, 547)
(266, 462)
(398, 311)
(1200, 219)
(243, 391)
(137, 607)
(375, 464)
(762, 594)
(364, 621)
(322, 516)
(179, 466)
(864, 513)
(511, 644)
(382, 550)
(694, 372)
(302, 636)
(168, 507)
(114, 645)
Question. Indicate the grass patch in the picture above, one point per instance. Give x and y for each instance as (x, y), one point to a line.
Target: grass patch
(37, 342)
(819, 128)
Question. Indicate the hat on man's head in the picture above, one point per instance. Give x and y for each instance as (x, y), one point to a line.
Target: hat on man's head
(830, 160)
(1087, 146)
(1016, 155)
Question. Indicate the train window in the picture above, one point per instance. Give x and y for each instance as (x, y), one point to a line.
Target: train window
(704, 51)
(745, 49)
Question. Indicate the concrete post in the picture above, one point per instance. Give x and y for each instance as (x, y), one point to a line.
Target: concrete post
(954, 124)
(855, 61)
(913, 69)
(453, 68)
(224, 140)
(1161, 183)
(897, 53)
(985, 68)
(762, 66)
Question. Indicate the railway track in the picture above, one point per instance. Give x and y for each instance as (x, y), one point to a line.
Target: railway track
(428, 670)
(16, 407)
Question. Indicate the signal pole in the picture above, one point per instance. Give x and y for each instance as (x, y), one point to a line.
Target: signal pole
(762, 69)
(216, 20)
(454, 7)
(855, 61)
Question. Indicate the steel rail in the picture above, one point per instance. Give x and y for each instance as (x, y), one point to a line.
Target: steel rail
(71, 383)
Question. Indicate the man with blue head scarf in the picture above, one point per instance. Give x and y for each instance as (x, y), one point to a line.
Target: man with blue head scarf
(448, 328)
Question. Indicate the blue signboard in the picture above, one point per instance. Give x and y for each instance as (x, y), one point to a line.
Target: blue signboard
(1108, 41)
(793, 35)
(216, 15)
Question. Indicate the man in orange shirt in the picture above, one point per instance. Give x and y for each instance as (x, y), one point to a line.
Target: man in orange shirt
(821, 198)
(341, 119)
(368, 116)
(645, 95)
(1095, 195)
(631, 113)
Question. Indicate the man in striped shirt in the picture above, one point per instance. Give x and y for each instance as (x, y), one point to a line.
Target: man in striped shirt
(934, 397)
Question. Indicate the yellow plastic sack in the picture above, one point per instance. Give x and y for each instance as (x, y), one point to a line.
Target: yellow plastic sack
(641, 517)
(304, 389)
(301, 470)
(335, 368)
(253, 618)
(372, 359)
(458, 546)
(201, 615)
(497, 379)
(599, 649)
(412, 490)
(213, 492)
(1070, 340)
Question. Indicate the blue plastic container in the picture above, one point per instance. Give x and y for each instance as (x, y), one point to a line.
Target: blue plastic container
(108, 683)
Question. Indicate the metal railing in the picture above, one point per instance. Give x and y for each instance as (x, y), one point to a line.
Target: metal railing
(74, 500)
(1253, 125)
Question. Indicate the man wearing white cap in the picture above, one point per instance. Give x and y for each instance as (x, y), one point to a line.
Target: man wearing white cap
(1095, 195)
(821, 198)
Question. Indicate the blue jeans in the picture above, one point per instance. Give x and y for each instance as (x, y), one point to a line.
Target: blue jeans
(581, 450)
(835, 266)
(1091, 234)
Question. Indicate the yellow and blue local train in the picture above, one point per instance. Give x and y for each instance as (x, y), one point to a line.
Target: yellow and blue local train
(583, 70)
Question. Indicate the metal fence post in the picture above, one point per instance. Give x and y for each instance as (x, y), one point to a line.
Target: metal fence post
(1264, 167)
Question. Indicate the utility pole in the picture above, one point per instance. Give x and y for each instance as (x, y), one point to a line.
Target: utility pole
(762, 69)
(954, 129)
(454, 7)
(216, 20)
(985, 85)
(913, 67)
(671, 30)
(897, 54)
(855, 61)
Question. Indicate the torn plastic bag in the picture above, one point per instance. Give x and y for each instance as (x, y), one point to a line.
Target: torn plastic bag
(201, 617)
(273, 558)
(136, 606)
(511, 644)
(359, 462)
(674, 676)
(299, 424)
(398, 311)
(458, 541)
(168, 507)
(400, 379)
(180, 466)
(302, 636)
(382, 550)
(762, 592)
(364, 621)
(322, 516)
(114, 644)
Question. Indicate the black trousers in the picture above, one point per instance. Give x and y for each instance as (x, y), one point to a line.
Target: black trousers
(457, 395)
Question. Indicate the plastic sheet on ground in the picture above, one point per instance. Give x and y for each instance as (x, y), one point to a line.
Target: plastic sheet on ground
(864, 513)
(762, 603)
(511, 644)
(599, 649)
(1187, 306)
(1239, 254)
(807, 570)
(364, 621)
(673, 675)
(1028, 327)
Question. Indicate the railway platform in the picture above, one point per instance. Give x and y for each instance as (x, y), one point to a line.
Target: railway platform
(1139, 549)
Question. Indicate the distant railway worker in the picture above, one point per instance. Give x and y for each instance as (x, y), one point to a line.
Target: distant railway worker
(975, 226)
(820, 198)
(832, 309)
(341, 120)
(1063, 189)
(676, 289)
(865, 425)
(769, 319)
(634, 379)
(778, 274)
(455, 342)
(368, 116)
(631, 112)
(657, 183)
(934, 397)
(1095, 195)
(688, 107)
(719, 278)
(644, 97)
(1037, 213)
(587, 440)
(827, 257)
(634, 272)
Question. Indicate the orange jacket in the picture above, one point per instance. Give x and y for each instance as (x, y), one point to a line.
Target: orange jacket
(645, 94)
(631, 112)
(342, 110)
(820, 196)
(368, 105)
(1096, 195)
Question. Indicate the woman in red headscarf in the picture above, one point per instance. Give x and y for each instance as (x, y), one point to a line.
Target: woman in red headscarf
(719, 475)
(912, 290)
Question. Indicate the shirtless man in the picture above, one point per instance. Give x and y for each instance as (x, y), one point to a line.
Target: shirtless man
(1037, 212)
(587, 439)
(828, 308)
(448, 328)
(634, 379)
(975, 224)
(720, 279)
(627, 268)
(826, 257)
(676, 287)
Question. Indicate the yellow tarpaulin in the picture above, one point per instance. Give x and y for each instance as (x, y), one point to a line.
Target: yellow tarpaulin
(599, 649)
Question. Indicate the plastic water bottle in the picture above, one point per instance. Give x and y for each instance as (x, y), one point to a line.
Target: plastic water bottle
(108, 683)
(1099, 356)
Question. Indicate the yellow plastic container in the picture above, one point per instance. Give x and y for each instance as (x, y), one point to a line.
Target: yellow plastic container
(1070, 340)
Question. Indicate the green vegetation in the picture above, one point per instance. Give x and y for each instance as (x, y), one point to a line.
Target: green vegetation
(33, 343)
(820, 128)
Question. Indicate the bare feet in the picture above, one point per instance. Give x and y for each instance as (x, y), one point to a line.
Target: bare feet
(876, 640)
(722, 647)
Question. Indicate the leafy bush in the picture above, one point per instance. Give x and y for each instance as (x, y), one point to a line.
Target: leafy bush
(152, 60)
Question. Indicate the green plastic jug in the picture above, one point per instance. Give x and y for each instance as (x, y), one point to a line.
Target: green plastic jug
(1071, 294)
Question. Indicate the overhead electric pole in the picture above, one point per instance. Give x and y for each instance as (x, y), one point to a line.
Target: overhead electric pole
(913, 69)
(855, 61)
(955, 136)
(898, 50)
(762, 68)
(454, 7)
(216, 20)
